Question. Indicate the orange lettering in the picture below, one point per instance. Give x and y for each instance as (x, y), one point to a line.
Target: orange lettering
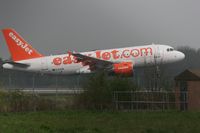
(67, 60)
(106, 56)
(114, 54)
(135, 52)
(98, 54)
(126, 53)
(57, 61)
(145, 51)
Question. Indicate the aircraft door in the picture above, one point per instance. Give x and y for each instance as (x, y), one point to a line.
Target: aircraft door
(149, 56)
(158, 55)
(44, 65)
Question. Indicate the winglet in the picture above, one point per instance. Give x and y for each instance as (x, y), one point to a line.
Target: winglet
(69, 52)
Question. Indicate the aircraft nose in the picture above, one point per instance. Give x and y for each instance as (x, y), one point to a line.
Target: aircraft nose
(181, 56)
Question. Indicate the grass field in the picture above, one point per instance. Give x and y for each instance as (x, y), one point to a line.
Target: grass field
(100, 122)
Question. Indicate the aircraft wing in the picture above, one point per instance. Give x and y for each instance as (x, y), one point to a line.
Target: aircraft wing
(94, 63)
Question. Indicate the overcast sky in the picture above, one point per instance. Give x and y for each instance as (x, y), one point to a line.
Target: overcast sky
(55, 26)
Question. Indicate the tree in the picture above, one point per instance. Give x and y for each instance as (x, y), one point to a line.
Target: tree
(99, 89)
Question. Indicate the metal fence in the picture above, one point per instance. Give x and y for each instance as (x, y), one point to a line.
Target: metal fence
(150, 100)
(36, 82)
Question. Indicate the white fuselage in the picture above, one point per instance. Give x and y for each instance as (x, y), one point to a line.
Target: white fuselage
(140, 56)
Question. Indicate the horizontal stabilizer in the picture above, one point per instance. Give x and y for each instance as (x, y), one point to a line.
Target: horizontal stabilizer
(16, 64)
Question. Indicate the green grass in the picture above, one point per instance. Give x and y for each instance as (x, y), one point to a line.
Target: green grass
(100, 122)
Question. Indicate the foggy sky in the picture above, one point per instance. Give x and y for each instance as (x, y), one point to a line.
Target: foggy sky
(55, 26)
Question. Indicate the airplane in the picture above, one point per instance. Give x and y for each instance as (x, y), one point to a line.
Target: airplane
(120, 61)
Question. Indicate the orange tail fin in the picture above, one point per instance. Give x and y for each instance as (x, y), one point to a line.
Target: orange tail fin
(18, 47)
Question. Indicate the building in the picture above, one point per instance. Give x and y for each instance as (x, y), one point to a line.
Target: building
(188, 90)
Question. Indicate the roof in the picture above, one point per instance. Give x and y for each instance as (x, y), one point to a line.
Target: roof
(189, 75)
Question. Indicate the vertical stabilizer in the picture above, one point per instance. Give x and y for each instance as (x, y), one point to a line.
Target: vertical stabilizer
(18, 47)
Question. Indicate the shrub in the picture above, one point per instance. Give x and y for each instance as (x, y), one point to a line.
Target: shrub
(17, 101)
(99, 89)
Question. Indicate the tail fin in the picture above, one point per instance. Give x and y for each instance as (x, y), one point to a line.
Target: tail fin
(18, 47)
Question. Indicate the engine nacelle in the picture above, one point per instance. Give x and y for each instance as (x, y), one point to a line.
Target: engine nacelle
(124, 68)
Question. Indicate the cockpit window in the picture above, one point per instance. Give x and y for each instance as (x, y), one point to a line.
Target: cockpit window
(170, 49)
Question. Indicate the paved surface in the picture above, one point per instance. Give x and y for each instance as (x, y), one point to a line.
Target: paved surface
(50, 90)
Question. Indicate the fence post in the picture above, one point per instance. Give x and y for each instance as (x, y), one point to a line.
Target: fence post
(33, 91)
(33, 83)
(56, 91)
(131, 100)
(116, 99)
(10, 81)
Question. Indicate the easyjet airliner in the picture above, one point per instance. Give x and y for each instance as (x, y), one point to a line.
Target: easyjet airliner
(118, 60)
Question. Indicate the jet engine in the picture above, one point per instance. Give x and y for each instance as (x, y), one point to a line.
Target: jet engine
(123, 68)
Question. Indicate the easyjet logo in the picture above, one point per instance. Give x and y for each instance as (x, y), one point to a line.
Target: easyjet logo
(107, 55)
(19, 43)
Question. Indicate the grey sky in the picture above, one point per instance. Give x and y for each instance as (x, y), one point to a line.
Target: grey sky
(53, 26)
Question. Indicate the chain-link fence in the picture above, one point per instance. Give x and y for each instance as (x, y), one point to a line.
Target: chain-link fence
(150, 100)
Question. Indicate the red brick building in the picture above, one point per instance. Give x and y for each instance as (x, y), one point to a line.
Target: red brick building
(188, 90)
